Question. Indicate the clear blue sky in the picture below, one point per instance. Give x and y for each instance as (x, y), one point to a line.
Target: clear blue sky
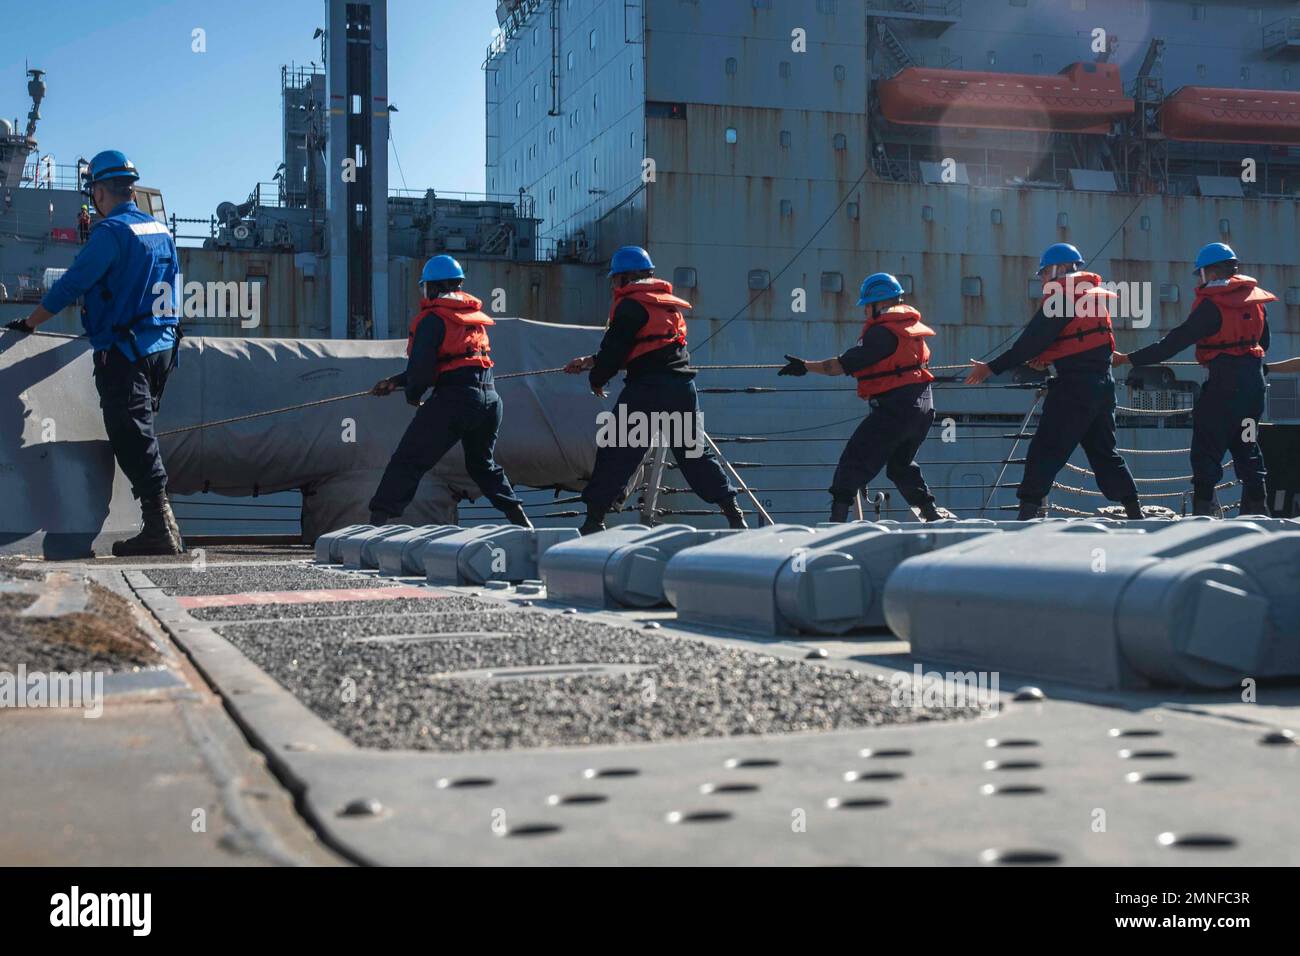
(204, 127)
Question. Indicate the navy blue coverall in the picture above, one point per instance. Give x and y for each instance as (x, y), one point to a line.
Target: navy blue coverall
(132, 328)
(464, 407)
(890, 436)
(1079, 411)
(1233, 392)
(658, 381)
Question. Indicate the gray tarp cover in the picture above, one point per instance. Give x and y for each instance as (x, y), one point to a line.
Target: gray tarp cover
(56, 468)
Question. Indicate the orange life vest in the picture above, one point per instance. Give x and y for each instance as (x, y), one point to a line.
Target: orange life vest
(666, 325)
(1241, 303)
(466, 340)
(908, 364)
(1089, 326)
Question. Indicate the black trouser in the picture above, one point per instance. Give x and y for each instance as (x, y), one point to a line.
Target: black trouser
(469, 414)
(888, 438)
(1079, 411)
(129, 395)
(1230, 403)
(616, 461)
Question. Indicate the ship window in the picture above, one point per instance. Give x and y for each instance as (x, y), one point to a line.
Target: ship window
(759, 279)
(1035, 288)
(519, 109)
(1256, 15)
(783, 69)
(536, 34)
(1245, 73)
(534, 92)
(1225, 227)
(356, 104)
(839, 73)
(730, 134)
(1038, 61)
(550, 196)
(840, 141)
(995, 217)
(787, 208)
(1063, 220)
(1145, 223)
(1168, 292)
(1200, 71)
(684, 277)
(1198, 11)
(906, 282)
(972, 286)
(927, 214)
(730, 65)
(591, 40)
(594, 103)
(992, 57)
(1292, 296)
(852, 210)
(784, 138)
(1286, 75)
(832, 282)
(656, 110)
(569, 61)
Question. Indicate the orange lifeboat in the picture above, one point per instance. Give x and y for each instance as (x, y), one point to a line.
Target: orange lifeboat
(1082, 98)
(1206, 114)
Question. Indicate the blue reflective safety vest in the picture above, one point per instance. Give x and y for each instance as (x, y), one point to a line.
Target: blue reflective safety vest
(127, 255)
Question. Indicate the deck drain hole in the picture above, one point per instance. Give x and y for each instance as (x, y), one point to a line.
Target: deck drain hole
(1010, 742)
(1020, 857)
(856, 803)
(446, 782)
(1134, 732)
(751, 763)
(884, 754)
(854, 776)
(604, 772)
(1146, 754)
(575, 799)
(1279, 738)
(1012, 765)
(1011, 790)
(728, 788)
(1197, 841)
(699, 816)
(532, 830)
(1157, 777)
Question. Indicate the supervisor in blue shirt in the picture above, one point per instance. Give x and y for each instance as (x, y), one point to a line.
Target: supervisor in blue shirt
(126, 277)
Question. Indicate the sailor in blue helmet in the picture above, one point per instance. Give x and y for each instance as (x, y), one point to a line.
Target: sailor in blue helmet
(447, 349)
(1228, 325)
(645, 335)
(125, 276)
(1072, 332)
(891, 364)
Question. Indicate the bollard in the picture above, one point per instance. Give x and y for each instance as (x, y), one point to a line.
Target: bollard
(353, 553)
(327, 545)
(403, 554)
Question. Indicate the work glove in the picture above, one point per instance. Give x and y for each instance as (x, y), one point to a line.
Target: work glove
(796, 366)
(19, 325)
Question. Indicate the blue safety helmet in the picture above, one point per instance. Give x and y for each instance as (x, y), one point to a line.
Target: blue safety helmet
(1213, 254)
(630, 259)
(441, 268)
(879, 287)
(1059, 253)
(110, 164)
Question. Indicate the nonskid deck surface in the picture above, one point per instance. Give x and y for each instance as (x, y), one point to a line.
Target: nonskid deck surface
(468, 724)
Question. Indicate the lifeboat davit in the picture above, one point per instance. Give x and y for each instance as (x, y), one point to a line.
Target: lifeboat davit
(1205, 114)
(1082, 98)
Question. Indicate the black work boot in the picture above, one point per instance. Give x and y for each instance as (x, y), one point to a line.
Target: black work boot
(1029, 509)
(839, 512)
(731, 511)
(1132, 509)
(1254, 504)
(1205, 507)
(595, 521)
(157, 537)
(930, 512)
(378, 518)
(514, 513)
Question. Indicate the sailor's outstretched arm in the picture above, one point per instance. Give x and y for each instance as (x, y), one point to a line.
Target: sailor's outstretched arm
(1204, 321)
